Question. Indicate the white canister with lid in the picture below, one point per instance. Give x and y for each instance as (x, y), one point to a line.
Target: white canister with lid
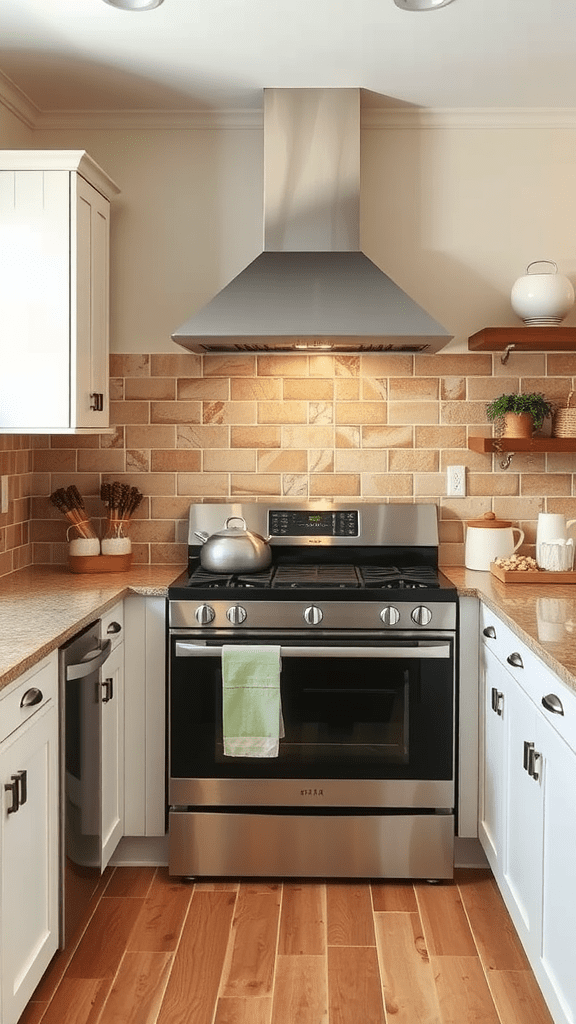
(542, 300)
(489, 538)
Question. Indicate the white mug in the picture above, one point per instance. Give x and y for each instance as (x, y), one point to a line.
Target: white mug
(552, 527)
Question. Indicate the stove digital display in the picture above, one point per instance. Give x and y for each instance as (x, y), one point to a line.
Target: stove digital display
(292, 523)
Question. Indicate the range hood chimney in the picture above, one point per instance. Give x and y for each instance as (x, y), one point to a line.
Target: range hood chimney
(311, 289)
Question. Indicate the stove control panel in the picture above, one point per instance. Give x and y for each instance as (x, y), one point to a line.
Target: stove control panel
(325, 615)
(295, 523)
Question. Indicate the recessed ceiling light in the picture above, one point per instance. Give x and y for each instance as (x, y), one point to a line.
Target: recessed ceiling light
(421, 5)
(134, 5)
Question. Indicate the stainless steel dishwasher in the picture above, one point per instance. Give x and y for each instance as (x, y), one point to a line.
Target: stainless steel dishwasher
(82, 692)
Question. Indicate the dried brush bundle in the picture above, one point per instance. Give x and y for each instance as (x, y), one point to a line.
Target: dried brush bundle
(121, 502)
(69, 501)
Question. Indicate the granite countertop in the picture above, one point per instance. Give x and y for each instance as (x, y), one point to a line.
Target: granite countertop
(42, 607)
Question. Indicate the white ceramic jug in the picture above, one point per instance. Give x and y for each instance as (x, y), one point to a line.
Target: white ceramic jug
(489, 538)
(552, 526)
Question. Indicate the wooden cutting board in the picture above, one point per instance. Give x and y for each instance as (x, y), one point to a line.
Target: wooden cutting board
(531, 575)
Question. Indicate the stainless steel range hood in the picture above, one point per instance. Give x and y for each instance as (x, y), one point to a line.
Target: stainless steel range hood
(311, 289)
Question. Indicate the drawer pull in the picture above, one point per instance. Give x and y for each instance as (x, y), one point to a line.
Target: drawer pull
(490, 632)
(114, 627)
(31, 697)
(107, 690)
(12, 787)
(497, 701)
(553, 703)
(515, 660)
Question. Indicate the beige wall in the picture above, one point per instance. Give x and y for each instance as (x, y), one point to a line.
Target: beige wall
(454, 215)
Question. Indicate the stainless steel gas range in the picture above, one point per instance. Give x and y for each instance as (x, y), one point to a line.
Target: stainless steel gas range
(362, 783)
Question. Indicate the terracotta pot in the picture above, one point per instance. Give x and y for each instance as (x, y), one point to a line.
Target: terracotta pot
(518, 424)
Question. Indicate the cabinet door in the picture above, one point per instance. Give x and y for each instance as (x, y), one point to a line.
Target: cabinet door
(90, 306)
(524, 813)
(494, 685)
(112, 753)
(559, 885)
(29, 858)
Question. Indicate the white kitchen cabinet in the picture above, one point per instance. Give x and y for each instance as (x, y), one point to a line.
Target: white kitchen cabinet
(29, 869)
(112, 734)
(54, 292)
(527, 820)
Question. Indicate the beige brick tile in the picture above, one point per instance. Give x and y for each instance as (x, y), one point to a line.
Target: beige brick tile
(414, 389)
(347, 389)
(566, 505)
(203, 388)
(129, 412)
(347, 437)
(451, 532)
(101, 460)
(375, 364)
(553, 388)
(175, 412)
(361, 461)
(453, 364)
(282, 461)
(320, 412)
(176, 364)
(116, 389)
(229, 366)
(57, 441)
(257, 437)
(202, 484)
(175, 460)
(451, 554)
(561, 364)
(147, 388)
(229, 460)
(546, 483)
(55, 461)
(137, 365)
(430, 484)
(375, 389)
(170, 508)
(492, 483)
(387, 437)
(321, 366)
(315, 389)
(321, 460)
(282, 412)
(150, 437)
(256, 484)
(413, 412)
(138, 461)
(168, 554)
(147, 531)
(295, 485)
(384, 484)
(315, 436)
(463, 509)
(523, 462)
(347, 366)
(486, 388)
(255, 389)
(516, 508)
(156, 483)
(465, 457)
(463, 412)
(229, 412)
(523, 364)
(413, 461)
(361, 412)
(329, 485)
(453, 389)
(114, 440)
(192, 435)
(282, 366)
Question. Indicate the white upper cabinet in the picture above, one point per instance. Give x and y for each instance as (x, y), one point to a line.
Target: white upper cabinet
(54, 292)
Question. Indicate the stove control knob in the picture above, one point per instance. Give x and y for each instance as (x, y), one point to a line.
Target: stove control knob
(390, 615)
(205, 614)
(236, 614)
(313, 615)
(421, 615)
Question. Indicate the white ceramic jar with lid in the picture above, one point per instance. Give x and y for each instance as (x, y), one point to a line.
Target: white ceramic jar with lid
(488, 538)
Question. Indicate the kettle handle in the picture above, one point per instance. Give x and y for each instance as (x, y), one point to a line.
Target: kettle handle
(241, 518)
(516, 529)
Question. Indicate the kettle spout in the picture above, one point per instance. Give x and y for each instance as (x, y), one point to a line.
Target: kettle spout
(202, 537)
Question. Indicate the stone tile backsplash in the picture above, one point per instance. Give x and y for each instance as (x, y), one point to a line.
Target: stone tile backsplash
(375, 427)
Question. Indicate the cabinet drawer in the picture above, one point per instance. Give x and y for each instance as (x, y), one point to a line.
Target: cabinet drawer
(30, 692)
(112, 624)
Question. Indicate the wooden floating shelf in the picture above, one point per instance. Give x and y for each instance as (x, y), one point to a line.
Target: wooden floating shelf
(524, 339)
(484, 445)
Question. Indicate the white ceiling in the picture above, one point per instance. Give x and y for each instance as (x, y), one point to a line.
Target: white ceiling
(217, 55)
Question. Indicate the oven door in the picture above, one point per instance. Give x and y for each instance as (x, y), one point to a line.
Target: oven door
(367, 723)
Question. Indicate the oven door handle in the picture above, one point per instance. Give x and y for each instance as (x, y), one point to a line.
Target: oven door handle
(431, 649)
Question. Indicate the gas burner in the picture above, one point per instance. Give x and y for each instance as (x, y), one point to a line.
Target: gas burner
(392, 578)
(330, 577)
(219, 581)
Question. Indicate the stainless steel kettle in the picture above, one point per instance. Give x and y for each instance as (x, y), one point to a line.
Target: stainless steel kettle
(234, 549)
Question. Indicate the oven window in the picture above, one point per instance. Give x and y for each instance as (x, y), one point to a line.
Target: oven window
(345, 717)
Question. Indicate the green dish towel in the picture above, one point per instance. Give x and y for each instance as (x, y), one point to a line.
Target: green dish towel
(251, 710)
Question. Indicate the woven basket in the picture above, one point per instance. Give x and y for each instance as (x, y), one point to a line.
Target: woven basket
(564, 421)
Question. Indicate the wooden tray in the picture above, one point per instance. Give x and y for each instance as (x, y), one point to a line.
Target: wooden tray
(531, 575)
(100, 563)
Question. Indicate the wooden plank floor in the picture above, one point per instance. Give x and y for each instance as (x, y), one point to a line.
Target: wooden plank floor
(159, 951)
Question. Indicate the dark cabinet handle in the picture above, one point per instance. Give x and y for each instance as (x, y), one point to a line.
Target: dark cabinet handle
(31, 697)
(490, 632)
(515, 660)
(114, 628)
(553, 703)
(98, 401)
(107, 690)
(497, 701)
(12, 787)
(22, 780)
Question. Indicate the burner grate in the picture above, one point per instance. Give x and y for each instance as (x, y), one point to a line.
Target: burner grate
(412, 577)
(322, 576)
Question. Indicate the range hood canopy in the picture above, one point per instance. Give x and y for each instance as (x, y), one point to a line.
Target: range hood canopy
(311, 289)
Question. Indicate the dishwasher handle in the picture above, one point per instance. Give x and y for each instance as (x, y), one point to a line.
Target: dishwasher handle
(426, 650)
(90, 663)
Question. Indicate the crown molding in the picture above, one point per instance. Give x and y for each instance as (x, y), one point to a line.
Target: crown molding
(17, 102)
(154, 120)
(470, 117)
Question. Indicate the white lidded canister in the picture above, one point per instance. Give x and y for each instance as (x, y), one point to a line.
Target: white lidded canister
(489, 538)
(542, 300)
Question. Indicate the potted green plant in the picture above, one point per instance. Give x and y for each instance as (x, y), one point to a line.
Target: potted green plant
(519, 415)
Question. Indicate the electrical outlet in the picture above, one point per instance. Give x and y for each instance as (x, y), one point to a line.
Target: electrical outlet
(456, 481)
(4, 495)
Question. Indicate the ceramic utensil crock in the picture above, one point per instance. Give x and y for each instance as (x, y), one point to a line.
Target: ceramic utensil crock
(489, 538)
